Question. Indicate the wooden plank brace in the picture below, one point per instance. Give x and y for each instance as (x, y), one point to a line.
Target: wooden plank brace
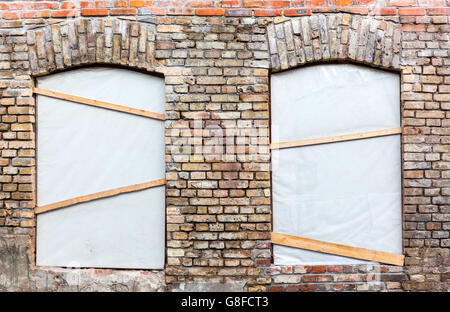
(337, 249)
(339, 138)
(109, 193)
(78, 99)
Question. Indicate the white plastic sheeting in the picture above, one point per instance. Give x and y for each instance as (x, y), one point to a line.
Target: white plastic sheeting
(328, 100)
(84, 150)
(349, 192)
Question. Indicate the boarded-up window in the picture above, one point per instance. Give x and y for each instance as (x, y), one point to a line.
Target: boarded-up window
(345, 192)
(82, 150)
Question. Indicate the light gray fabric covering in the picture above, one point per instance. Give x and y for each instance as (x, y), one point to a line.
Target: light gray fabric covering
(348, 192)
(84, 150)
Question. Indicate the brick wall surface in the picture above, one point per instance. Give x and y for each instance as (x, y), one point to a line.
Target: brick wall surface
(216, 57)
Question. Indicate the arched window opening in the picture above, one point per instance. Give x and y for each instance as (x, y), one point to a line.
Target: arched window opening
(100, 169)
(336, 165)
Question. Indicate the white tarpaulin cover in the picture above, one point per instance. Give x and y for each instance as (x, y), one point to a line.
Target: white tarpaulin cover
(349, 192)
(84, 150)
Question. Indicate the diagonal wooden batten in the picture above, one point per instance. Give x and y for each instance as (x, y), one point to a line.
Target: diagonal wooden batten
(78, 99)
(109, 193)
(337, 249)
(339, 138)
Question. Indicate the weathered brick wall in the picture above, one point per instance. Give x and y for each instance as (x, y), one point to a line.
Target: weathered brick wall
(216, 58)
(425, 99)
(13, 10)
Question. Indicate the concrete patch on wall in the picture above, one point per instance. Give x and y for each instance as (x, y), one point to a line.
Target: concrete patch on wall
(14, 263)
(17, 274)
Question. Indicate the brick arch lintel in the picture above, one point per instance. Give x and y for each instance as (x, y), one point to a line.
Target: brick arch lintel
(292, 43)
(334, 38)
(81, 41)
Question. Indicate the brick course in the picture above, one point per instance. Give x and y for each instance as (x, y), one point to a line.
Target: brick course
(216, 58)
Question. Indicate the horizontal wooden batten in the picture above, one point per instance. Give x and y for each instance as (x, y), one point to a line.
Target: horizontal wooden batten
(337, 249)
(339, 138)
(78, 99)
(109, 193)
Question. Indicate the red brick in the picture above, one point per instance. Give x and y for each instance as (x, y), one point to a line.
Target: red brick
(276, 288)
(122, 11)
(94, 12)
(45, 5)
(276, 4)
(10, 15)
(64, 13)
(414, 28)
(384, 11)
(411, 11)
(343, 2)
(307, 287)
(86, 4)
(231, 3)
(140, 3)
(319, 269)
(334, 269)
(263, 262)
(209, 12)
(67, 5)
(292, 288)
(101, 4)
(252, 4)
(137, 3)
(120, 4)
